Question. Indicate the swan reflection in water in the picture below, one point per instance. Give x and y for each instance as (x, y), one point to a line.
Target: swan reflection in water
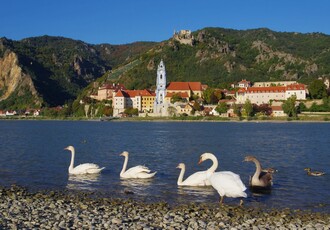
(201, 194)
(135, 186)
(83, 182)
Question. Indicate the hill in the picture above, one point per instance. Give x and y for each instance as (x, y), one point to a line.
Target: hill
(49, 71)
(219, 56)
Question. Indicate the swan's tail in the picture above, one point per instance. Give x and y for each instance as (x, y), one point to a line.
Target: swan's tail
(95, 170)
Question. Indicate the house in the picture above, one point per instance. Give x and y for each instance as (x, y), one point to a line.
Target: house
(143, 100)
(2, 113)
(107, 91)
(277, 111)
(183, 109)
(241, 84)
(299, 90)
(11, 113)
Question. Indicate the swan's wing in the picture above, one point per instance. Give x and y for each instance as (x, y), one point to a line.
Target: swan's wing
(136, 170)
(266, 177)
(197, 179)
(228, 184)
(144, 175)
(86, 168)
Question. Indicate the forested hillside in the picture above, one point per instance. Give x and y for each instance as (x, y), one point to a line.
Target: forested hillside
(50, 71)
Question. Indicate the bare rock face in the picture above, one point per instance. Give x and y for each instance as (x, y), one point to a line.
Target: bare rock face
(12, 77)
(151, 65)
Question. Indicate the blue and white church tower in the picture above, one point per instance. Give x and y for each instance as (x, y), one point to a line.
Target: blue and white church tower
(160, 107)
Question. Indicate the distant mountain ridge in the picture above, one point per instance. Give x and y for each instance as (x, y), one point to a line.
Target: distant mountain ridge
(60, 68)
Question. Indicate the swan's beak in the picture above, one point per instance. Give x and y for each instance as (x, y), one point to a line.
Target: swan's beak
(200, 161)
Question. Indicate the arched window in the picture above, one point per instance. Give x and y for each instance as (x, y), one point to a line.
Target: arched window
(161, 77)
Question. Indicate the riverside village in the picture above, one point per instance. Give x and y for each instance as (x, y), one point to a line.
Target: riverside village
(189, 98)
(181, 99)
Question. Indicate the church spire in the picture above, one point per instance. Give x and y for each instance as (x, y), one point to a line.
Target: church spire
(161, 83)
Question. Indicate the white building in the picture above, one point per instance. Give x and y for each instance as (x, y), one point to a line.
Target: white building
(273, 83)
(263, 95)
(137, 99)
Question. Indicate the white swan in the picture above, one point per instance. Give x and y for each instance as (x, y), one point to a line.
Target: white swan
(87, 168)
(196, 179)
(226, 183)
(138, 171)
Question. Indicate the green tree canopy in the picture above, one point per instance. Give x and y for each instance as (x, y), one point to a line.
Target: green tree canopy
(317, 89)
(176, 97)
(248, 108)
(222, 108)
(289, 106)
(237, 110)
(209, 96)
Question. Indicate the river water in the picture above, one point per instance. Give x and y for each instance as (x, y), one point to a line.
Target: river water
(32, 155)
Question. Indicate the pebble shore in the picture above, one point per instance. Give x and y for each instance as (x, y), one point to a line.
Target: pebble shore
(21, 209)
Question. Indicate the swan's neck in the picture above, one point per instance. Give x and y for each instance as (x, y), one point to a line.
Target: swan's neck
(72, 160)
(180, 178)
(214, 165)
(124, 166)
(258, 168)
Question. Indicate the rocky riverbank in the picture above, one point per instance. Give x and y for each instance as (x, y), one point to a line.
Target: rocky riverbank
(21, 209)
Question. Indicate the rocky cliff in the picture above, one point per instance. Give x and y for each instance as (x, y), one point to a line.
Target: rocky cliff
(14, 81)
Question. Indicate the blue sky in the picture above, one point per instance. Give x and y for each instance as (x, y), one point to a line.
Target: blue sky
(126, 21)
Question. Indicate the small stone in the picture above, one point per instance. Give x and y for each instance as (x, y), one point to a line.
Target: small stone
(116, 221)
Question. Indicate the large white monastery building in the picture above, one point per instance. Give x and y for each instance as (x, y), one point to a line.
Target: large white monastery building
(263, 95)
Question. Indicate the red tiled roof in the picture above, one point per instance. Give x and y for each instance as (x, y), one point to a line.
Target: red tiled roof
(277, 108)
(244, 81)
(272, 89)
(133, 93)
(263, 89)
(183, 95)
(185, 86)
(295, 87)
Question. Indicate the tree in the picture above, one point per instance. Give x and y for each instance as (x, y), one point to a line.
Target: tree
(176, 97)
(209, 96)
(263, 109)
(289, 106)
(248, 108)
(197, 106)
(131, 111)
(219, 94)
(222, 108)
(108, 111)
(237, 110)
(171, 111)
(317, 89)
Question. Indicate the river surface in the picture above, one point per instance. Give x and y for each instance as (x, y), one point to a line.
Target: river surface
(32, 155)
